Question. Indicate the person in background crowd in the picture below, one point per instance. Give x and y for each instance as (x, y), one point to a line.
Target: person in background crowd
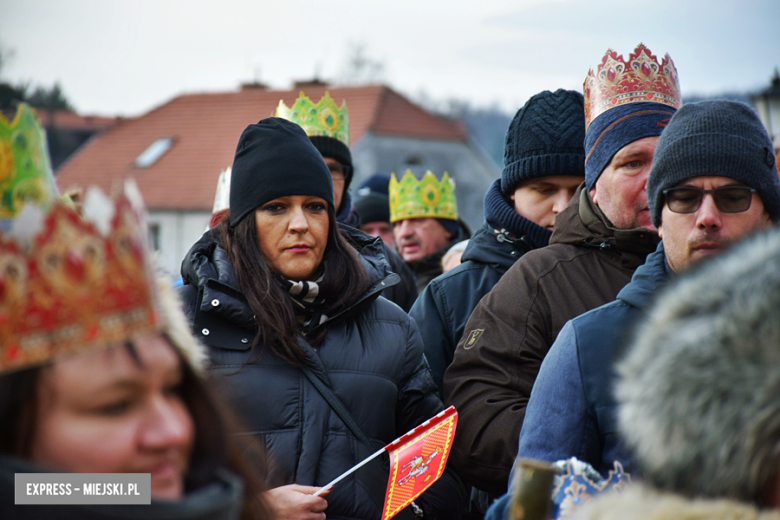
(599, 240)
(713, 181)
(330, 136)
(373, 206)
(697, 394)
(544, 165)
(288, 303)
(425, 222)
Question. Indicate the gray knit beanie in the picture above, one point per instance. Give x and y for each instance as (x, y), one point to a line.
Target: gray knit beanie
(545, 138)
(719, 138)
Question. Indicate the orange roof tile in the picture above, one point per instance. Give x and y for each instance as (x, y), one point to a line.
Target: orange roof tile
(206, 128)
(74, 121)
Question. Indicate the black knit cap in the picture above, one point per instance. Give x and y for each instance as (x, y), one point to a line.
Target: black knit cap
(335, 149)
(373, 201)
(545, 138)
(718, 138)
(275, 158)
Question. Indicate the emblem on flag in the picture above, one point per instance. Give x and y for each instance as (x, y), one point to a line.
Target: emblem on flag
(417, 460)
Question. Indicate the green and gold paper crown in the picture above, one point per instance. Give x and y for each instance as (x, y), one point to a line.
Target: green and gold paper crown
(25, 170)
(427, 198)
(323, 119)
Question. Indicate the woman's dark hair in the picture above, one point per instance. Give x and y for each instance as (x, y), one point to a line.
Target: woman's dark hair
(344, 281)
(214, 448)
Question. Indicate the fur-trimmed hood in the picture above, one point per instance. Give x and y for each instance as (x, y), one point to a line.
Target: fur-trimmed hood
(639, 502)
(698, 389)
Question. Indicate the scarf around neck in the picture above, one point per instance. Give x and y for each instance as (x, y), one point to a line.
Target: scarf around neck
(307, 300)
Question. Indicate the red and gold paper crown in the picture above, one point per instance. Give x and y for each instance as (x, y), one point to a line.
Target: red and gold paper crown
(640, 79)
(70, 283)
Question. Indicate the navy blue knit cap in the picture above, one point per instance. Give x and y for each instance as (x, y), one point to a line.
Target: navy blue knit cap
(275, 158)
(379, 182)
(544, 138)
(616, 128)
(719, 138)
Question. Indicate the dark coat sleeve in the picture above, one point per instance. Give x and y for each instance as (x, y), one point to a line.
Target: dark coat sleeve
(491, 376)
(418, 402)
(432, 317)
(404, 293)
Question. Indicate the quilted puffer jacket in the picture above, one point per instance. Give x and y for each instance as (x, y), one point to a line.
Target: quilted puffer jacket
(373, 359)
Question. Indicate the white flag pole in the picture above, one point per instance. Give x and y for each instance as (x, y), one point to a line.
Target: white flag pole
(347, 473)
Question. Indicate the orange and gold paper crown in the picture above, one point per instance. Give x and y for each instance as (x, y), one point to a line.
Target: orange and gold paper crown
(640, 79)
(71, 283)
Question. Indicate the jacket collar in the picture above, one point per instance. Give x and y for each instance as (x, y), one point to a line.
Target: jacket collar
(647, 280)
(583, 223)
(501, 215)
(496, 246)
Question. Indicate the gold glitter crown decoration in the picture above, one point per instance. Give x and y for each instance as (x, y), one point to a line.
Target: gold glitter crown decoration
(71, 283)
(25, 170)
(323, 119)
(428, 197)
(618, 82)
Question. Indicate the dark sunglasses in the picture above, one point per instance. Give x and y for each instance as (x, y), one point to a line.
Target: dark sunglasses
(728, 199)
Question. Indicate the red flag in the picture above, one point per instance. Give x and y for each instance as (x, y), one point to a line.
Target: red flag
(417, 460)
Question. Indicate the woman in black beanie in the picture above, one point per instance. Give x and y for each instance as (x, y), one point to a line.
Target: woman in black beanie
(288, 304)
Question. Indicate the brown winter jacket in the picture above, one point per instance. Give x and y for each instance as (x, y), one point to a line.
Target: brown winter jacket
(512, 328)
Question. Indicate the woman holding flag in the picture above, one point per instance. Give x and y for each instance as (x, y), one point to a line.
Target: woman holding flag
(322, 371)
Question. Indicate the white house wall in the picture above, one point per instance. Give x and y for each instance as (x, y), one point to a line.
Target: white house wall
(769, 114)
(178, 230)
(472, 172)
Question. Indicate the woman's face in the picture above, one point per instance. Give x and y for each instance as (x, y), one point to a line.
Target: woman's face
(293, 234)
(104, 412)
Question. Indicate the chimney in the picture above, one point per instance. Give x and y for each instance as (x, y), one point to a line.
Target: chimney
(309, 83)
(255, 85)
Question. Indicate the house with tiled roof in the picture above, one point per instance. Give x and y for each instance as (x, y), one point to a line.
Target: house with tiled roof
(176, 151)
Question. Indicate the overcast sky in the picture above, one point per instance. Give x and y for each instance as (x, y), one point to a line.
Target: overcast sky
(126, 57)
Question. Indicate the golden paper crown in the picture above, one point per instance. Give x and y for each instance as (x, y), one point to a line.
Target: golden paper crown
(323, 119)
(640, 79)
(70, 283)
(428, 197)
(25, 170)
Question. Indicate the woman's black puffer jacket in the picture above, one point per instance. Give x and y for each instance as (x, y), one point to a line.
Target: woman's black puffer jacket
(373, 359)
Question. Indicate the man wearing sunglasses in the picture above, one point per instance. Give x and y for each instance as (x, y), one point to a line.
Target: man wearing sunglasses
(713, 181)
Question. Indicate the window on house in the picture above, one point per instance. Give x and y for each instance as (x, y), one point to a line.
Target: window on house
(154, 152)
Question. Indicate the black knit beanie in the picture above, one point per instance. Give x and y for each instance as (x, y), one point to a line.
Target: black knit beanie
(372, 207)
(719, 138)
(545, 138)
(275, 158)
(335, 149)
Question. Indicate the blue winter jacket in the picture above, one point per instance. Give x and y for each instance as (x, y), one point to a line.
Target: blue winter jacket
(571, 412)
